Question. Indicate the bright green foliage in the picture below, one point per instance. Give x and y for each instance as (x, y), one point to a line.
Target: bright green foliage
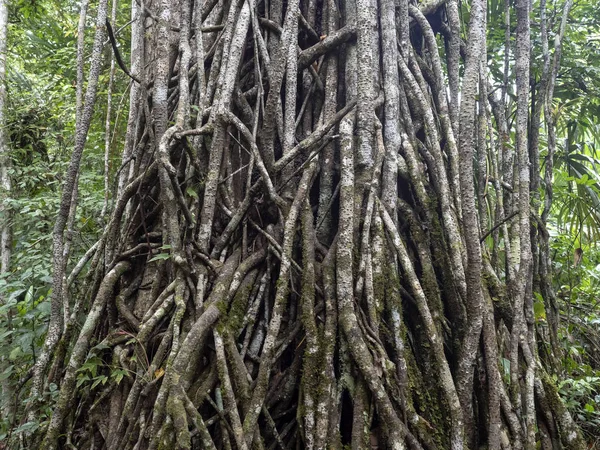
(576, 216)
(41, 121)
(577, 287)
(577, 110)
(574, 221)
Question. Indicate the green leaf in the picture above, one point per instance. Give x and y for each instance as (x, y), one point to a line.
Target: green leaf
(29, 295)
(7, 373)
(91, 365)
(6, 334)
(160, 256)
(14, 354)
(192, 193)
(82, 379)
(100, 379)
(589, 408)
(539, 310)
(26, 427)
(118, 375)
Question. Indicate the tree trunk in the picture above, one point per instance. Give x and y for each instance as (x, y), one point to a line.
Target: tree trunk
(299, 253)
(7, 409)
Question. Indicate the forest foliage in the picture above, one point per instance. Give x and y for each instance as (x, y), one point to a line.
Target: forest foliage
(41, 82)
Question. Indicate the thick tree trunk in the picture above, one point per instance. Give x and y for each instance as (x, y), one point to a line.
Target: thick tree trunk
(296, 252)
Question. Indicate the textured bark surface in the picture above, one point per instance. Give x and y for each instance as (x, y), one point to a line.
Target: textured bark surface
(311, 243)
